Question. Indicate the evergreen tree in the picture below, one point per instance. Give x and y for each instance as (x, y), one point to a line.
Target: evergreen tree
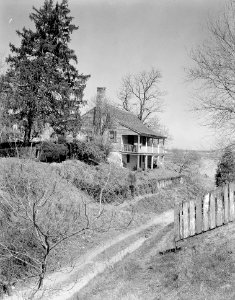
(42, 84)
(226, 168)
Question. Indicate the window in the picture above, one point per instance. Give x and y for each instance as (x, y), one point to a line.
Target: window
(128, 158)
(113, 136)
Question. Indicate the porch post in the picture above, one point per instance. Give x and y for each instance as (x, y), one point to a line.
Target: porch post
(152, 145)
(158, 146)
(138, 145)
(146, 144)
(146, 162)
(152, 162)
(138, 161)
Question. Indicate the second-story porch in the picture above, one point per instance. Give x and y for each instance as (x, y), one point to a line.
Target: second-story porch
(138, 144)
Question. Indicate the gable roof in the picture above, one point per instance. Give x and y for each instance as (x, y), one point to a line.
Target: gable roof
(129, 120)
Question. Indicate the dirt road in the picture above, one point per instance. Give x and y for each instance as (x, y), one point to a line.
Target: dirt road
(67, 282)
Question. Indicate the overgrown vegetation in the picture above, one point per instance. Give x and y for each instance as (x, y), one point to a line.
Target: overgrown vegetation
(92, 152)
(51, 152)
(226, 167)
(35, 219)
(115, 183)
(38, 212)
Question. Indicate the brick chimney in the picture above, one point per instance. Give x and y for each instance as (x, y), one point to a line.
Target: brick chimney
(101, 91)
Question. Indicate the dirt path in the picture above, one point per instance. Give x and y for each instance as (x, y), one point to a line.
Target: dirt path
(91, 265)
(63, 284)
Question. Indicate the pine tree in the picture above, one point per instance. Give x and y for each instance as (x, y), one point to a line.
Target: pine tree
(226, 168)
(42, 83)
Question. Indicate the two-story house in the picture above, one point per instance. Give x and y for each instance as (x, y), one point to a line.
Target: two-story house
(134, 145)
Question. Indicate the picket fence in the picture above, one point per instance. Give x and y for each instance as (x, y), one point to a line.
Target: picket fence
(196, 216)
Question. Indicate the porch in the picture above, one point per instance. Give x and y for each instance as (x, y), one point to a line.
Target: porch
(142, 144)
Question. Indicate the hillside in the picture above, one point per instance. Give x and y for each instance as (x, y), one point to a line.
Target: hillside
(204, 268)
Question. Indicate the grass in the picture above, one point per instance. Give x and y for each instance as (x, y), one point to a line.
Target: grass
(203, 269)
(73, 174)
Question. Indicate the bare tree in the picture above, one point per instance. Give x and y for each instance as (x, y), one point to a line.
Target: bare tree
(213, 71)
(34, 221)
(140, 93)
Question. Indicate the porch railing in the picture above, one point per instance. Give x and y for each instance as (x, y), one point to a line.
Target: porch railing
(142, 149)
(129, 148)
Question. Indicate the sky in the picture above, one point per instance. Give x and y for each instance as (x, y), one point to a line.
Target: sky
(119, 37)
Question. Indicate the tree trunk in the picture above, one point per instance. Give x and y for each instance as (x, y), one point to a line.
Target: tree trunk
(28, 131)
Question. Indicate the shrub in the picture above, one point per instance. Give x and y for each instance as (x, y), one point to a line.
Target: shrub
(226, 168)
(51, 152)
(89, 152)
(115, 183)
(110, 180)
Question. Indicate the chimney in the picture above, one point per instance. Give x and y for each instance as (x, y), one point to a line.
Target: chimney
(101, 93)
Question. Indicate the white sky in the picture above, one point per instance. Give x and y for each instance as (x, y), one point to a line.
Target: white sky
(117, 37)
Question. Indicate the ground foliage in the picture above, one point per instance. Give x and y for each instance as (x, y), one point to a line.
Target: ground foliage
(113, 183)
(35, 219)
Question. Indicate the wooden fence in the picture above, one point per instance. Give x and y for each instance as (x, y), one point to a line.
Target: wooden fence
(197, 216)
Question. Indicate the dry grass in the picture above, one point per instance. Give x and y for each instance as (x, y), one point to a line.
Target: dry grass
(203, 269)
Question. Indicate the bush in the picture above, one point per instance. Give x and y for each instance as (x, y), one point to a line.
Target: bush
(51, 152)
(115, 183)
(89, 152)
(226, 168)
(110, 180)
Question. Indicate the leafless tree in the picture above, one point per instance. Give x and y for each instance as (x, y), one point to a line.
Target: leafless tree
(34, 221)
(213, 72)
(141, 94)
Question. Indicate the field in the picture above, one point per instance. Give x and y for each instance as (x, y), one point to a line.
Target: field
(119, 227)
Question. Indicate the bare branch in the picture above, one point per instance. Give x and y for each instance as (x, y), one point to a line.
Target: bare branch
(141, 94)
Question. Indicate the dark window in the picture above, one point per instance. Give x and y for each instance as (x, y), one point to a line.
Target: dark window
(128, 158)
(113, 136)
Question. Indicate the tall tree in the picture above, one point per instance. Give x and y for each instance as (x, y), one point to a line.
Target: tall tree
(140, 93)
(213, 71)
(42, 84)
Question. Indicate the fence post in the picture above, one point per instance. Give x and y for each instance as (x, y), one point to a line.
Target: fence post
(177, 222)
(231, 202)
(181, 221)
(226, 209)
(212, 212)
(219, 217)
(205, 212)
(186, 219)
(192, 217)
(199, 216)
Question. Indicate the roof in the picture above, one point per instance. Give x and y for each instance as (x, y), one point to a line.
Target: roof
(129, 120)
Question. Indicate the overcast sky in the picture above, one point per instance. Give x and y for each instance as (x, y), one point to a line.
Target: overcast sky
(117, 37)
